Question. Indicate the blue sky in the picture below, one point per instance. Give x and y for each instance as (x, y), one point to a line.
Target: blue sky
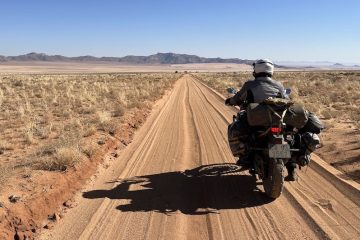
(281, 30)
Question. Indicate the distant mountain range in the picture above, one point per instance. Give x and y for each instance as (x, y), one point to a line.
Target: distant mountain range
(159, 58)
(316, 64)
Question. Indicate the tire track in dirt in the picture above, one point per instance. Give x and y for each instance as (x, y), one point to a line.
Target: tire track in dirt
(152, 197)
(204, 161)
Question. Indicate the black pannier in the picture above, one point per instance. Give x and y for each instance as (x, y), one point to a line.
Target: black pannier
(313, 125)
(238, 132)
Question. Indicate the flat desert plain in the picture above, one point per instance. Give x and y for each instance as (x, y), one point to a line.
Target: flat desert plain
(99, 151)
(75, 67)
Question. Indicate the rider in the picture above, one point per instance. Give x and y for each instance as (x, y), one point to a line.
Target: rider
(261, 88)
(256, 91)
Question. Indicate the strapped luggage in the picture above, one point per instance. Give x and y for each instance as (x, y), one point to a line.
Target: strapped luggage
(261, 115)
(270, 115)
(296, 116)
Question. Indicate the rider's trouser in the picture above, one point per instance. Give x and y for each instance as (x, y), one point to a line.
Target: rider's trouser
(290, 165)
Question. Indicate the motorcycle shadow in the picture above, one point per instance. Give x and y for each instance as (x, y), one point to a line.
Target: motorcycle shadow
(201, 190)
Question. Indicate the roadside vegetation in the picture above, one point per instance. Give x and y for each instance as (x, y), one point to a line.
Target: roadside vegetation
(52, 122)
(332, 95)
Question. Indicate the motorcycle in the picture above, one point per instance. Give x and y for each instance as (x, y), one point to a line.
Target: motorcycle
(272, 146)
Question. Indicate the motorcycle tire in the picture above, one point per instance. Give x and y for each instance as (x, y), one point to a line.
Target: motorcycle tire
(274, 182)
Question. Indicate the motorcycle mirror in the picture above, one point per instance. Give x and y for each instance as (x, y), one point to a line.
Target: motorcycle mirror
(288, 91)
(231, 90)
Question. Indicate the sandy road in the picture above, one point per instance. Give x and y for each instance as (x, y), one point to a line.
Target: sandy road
(177, 181)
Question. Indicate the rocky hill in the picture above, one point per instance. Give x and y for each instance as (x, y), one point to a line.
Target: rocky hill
(159, 58)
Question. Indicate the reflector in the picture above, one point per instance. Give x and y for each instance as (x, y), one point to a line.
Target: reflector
(275, 130)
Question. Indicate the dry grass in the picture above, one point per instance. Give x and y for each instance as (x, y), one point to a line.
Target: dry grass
(332, 95)
(46, 116)
(5, 146)
(89, 148)
(61, 160)
(4, 173)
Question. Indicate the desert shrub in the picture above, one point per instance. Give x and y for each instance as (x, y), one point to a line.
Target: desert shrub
(326, 114)
(1, 96)
(108, 127)
(119, 110)
(89, 148)
(4, 146)
(89, 130)
(4, 173)
(59, 160)
(28, 137)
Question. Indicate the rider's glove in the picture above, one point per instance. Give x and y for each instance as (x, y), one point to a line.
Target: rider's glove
(227, 101)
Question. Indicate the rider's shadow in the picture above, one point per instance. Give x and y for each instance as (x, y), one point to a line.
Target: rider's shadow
(197, 191)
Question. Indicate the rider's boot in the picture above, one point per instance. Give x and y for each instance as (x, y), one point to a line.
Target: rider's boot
(292, 175)
(244, 161)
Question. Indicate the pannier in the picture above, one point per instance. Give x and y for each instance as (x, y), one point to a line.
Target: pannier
(313, 125)
(238, 132)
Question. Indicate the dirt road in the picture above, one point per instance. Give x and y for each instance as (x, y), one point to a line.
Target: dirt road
(177, 180)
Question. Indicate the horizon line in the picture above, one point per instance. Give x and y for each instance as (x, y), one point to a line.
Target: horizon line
(247, 59)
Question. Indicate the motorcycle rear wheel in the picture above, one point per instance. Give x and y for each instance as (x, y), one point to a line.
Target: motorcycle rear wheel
(274, 181)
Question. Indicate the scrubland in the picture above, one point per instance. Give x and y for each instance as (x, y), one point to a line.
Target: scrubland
(52, 122)
(334, 96)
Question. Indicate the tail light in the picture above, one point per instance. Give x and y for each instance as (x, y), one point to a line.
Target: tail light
(275, 130)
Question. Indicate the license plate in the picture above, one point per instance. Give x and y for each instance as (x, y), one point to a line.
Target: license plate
(279, 151)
